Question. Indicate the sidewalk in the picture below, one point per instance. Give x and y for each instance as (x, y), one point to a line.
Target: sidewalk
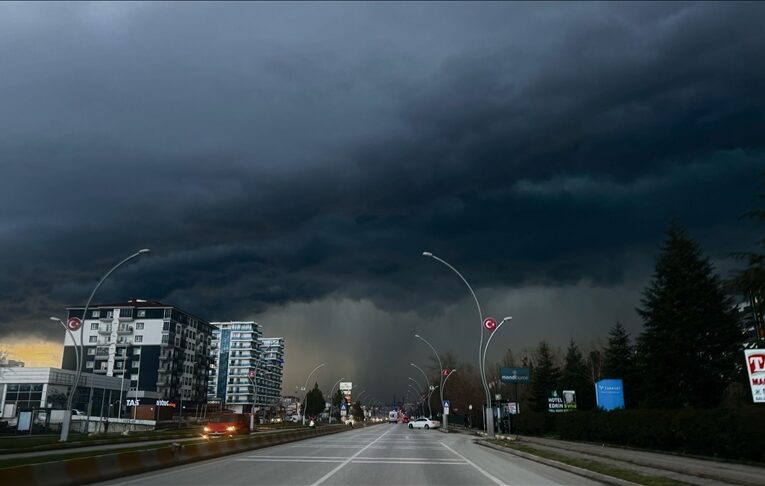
(679, 468)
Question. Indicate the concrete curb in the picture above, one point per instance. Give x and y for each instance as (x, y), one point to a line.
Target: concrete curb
(84, 470)
(603, 478)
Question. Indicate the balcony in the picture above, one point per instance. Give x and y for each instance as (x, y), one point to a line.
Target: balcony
(122, 329)
(104, 329)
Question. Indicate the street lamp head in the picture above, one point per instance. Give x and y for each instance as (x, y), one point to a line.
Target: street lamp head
(427, 254)
(416, 335)
(54, 318)
(144, 250)
(508, 318)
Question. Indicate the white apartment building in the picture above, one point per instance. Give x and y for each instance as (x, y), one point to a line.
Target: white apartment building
(246, 373)
(163, 351)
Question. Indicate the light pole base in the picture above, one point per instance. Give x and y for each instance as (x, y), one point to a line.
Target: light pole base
(489, 422)
(65, 423)
(446, 421)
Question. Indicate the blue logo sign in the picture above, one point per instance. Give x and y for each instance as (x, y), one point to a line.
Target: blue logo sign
(446, 403)
(514, 375)
(609, 394)
(342, 406)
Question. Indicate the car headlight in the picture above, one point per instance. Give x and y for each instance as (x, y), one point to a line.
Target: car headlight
(207, 429)
(230, 428)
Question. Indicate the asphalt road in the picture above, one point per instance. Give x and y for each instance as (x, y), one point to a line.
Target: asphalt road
(389, 454)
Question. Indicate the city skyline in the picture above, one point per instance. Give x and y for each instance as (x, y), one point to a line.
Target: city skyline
(288, 164)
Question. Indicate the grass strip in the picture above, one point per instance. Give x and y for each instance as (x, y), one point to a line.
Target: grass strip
(598, 467)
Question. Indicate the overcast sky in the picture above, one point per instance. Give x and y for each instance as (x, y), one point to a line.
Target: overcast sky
(289, 163)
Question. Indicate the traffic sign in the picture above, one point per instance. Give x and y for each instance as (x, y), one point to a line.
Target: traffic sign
(444, 373)
(446, 407)
(342, 406)
(490, 323)
(74, 323)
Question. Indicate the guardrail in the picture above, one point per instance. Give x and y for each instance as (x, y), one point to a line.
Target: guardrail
(84, 470)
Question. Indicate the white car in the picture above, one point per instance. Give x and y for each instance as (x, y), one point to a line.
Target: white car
(424, 423)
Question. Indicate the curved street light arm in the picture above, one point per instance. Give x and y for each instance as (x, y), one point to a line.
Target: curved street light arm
(483, 359)
(447, 377)
(305, 387)
(440, 366)
(427, 381)
(480, 319)
(419, 388)
(65, 433)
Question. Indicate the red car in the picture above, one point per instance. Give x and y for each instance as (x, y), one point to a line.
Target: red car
(227, 424)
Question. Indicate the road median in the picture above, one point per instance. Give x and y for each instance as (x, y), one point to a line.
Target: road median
(84, 470)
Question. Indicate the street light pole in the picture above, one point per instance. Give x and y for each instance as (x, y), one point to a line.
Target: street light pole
(305, 396)
(489, 422)
(427, 382)
(440, 369)
(68, 415)
(483, 360)
(446, 415)
(332, 397)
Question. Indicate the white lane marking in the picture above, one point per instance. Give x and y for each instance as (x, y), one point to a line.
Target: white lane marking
(347, 461)
(159, 475)
(263, 459)
(444, 463)
(342, 458)
(492, 478)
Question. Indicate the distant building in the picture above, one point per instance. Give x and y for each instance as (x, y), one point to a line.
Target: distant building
(235, 354)
(10, 363)
(38, 388)
(246, 374)
(163, 351)
(272, 366)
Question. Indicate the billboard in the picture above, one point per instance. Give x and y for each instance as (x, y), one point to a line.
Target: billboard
(755, 366)
(346, 386)
(609, 394)
(558, 401)
(514, 375)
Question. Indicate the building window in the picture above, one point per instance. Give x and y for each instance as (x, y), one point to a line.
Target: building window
(165, 338)
(139, 339)
(166, 326)
(168, 313)
(139, 325)
(92, 339)
(126, 312)
(141, 313)
(177, 328)
(118, 365)
(135, 364)
(96, 314)
(110, 314)
(134, 378)
(177, 341)
(137, 351)
(94, 326)
(89, 364)
(91, 351)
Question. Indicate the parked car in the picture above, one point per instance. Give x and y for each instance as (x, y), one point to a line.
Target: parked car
(424, 423)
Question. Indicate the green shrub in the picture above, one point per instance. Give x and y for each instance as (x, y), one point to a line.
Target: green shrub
(730, 433)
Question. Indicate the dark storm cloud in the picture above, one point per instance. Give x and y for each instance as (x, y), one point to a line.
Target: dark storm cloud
(279, 157)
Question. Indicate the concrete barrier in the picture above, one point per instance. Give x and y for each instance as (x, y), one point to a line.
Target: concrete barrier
(84, 470)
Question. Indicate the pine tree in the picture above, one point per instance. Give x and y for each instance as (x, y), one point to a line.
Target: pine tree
(545, 376)
(576, 377)
(314, 402)
(618, 355)
(689, 346)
